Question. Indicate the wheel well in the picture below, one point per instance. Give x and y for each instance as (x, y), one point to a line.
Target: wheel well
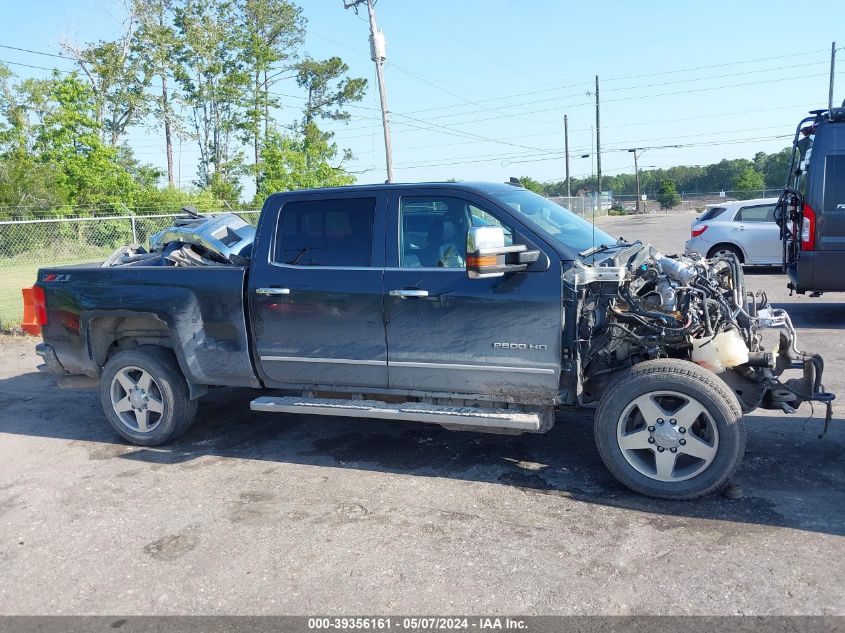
(733, 247)
(109, 335)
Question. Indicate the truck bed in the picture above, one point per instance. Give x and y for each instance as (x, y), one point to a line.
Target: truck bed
(200, 311)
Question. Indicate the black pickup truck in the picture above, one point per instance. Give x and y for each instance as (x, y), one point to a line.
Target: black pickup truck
(481, 307)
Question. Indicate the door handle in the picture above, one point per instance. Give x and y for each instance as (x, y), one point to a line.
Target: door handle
(272, 292)
(406, 293)
(741, 227)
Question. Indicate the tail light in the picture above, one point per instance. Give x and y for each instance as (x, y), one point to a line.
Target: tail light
(696, 231)
(34, 310)
(40, 305)
(808, 229)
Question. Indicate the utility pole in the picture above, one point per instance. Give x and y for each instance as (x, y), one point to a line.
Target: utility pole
(598, 139)
(566, 144)
(378, 53)
(832, 72)
(637, 172)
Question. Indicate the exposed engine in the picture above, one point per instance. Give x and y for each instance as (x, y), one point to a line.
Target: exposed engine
(639, 304)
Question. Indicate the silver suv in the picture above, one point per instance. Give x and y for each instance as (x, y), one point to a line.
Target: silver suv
(745, 228)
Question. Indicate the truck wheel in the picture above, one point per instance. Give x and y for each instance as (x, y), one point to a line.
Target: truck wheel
(670, 429)
(145, 397)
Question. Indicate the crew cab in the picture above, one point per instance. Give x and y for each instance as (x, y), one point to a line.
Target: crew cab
(481, 307)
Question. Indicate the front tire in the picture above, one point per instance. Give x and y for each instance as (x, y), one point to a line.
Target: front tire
(145, 397)
(670, 429)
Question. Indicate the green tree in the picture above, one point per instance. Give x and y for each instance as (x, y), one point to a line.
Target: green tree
(667, 194)
(157, 46)
(214, 80)
(773, 167)
(119, 80)
(14, 122)
(531, 184)
(301, 162)
(273, 31)
(88, 171)
(327, 89)
(749, 183)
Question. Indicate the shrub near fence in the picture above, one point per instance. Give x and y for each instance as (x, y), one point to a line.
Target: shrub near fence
(27, 245)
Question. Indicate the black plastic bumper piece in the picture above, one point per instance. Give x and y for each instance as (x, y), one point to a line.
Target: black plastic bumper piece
(51, 362)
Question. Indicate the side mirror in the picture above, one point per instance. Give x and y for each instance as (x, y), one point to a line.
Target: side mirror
(487, 256)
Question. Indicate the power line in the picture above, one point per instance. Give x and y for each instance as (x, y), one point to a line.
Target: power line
(733, 63)
(747, 72)
(514, 105)
(44, 53)
(466, 42)
(431, 126)
(452, 130)
(556, 88)
(557, 154)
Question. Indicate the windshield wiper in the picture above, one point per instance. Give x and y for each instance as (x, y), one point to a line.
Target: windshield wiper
(594, 249)
(600, 248)
(604, 247)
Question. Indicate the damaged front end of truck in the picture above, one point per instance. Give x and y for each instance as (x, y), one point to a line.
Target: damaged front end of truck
(638, 304)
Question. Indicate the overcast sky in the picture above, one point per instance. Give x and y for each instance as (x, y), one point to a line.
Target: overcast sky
(478, 89)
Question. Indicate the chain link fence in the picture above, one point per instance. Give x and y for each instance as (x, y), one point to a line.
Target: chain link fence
(27, 245)
(585, 206)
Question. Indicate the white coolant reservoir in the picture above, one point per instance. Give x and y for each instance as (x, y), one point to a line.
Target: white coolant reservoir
(731, 349)
(726, 349)
(705, 354)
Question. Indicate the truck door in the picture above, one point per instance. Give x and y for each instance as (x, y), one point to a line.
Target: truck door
(316, 303)
(500, 337)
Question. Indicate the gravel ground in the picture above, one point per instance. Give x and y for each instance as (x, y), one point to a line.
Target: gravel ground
(267, 514)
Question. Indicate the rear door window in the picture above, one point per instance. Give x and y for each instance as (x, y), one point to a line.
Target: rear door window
(712, 213)
(335, 233)
(834, 184)
(759, 213)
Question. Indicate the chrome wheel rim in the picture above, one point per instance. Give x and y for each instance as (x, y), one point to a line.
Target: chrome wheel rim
(137, 400)
(724, 252)
(667, 436)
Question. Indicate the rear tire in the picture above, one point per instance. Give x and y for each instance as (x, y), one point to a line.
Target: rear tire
(721, 250)
(145, 397)
(670, 429)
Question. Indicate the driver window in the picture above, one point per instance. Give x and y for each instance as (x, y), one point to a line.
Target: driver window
(433, 231)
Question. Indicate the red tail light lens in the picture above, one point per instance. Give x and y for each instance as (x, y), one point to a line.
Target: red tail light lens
(696, 231)
(34, 310)
(39, 305)
(808, 229)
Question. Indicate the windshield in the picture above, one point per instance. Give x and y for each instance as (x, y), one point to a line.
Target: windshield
(558, 223)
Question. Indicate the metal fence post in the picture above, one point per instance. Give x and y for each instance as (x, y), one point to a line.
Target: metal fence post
(132, 221)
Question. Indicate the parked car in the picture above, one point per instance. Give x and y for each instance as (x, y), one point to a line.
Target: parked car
(745, 228)
(481, 307)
